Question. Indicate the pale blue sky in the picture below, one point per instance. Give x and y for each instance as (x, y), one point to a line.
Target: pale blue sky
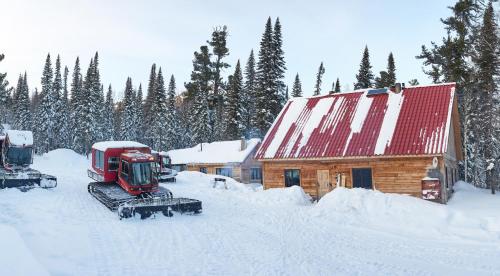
(131, 35)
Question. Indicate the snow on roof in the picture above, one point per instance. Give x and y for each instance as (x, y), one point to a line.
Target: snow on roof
(102, 146)
(413, 122)
(216, 152)
(20, 137)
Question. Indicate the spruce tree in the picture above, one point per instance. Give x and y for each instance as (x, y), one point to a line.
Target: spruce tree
(387, 78)
(23, 106)
(220, 50)
(108, 122)
(148, 104)
(337, 86)
(279, 68)
(4, 96)
(139, 116)
(35, 100)
(365, 76)
(234, 127)
(159, 111)
(199, 87)
(57, 87)
(127, 131)
(297, 87)
(266, 98)
(319, 75)
(46, 115)
(449, 61)
(248, 96)
(488, 62)
(65, 116)
(172, 119)
(76, 138)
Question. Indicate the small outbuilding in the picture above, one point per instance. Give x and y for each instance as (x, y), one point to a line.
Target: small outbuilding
(233, 159)
(400, 140)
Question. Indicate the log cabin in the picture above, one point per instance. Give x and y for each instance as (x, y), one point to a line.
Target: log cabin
(397, 140)
(233, 159)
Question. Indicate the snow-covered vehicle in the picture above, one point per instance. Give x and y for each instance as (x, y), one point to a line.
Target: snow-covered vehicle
(165, 171)
(16, 153)
(127, 181)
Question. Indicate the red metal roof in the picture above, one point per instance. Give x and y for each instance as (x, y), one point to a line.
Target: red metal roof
(413, 122)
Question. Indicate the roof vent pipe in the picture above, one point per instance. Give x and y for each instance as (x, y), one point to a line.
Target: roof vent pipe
(243, 144)
(397, 88)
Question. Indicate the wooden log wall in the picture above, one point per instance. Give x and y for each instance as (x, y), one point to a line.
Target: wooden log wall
(394, 175)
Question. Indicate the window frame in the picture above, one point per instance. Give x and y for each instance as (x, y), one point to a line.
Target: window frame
(203, 170)
(99, 160)
(219, 170)
(299, 177)
(110, 162)
(251, 173)
(123, 174)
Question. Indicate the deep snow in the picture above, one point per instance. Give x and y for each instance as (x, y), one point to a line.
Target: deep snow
(245, 230)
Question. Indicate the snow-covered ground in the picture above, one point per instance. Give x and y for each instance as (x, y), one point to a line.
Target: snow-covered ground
(244, 230)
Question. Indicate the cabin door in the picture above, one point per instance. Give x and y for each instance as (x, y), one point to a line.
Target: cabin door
(324, 184)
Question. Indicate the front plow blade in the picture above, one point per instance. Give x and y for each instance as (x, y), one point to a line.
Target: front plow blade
(166, 205)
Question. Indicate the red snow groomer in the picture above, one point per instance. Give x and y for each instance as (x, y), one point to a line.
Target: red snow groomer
(127, 181)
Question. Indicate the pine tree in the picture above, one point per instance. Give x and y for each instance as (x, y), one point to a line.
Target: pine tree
(148, 104)
(278, 56)
(46, 115)
(108, 121)
(337, 86)
(65, 116)
(127, 131)
(267, 97)
(139, 116)
(319, 75)
(35, 101)
(248, 96)
(387, 78)
(4, 96)
(297, 87)
(220, 50)
(413, 82)
(76, 109)
(57, 87)
(199, 87)
(449, 61)
(488, 62)
(159, 111)
(365, 76)
(96, 106)
(234, 127)
(21, 105)
(172, 119)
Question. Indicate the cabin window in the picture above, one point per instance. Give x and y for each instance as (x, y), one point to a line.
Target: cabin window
(179, 168)
(362, 178)
(255, 174)
(124, 173)
(99, 160)
(224, 172)
(292, 178)
(203, 169)
(113, 163)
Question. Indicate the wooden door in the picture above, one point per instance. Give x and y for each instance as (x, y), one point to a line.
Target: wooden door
(324, 184)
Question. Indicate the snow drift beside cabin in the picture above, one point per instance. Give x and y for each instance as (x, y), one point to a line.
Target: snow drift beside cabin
(20, 137)
(215, 152)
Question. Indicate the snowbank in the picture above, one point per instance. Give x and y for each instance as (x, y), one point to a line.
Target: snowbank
(16, 258)
(215, 152)
(61, 162)
(406, 214)
(253, 193)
